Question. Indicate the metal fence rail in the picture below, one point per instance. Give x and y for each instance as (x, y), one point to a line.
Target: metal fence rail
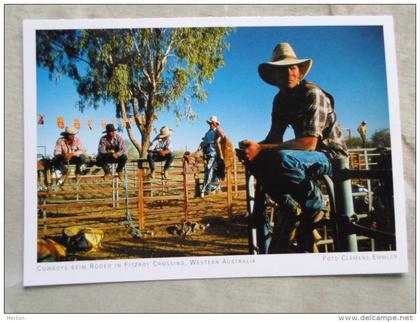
(176, 197)
(159, 201)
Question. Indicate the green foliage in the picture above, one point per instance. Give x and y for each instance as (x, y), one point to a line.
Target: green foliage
(355, 143)
(132, 152)
(119, 64)
(381, 138)
(160, 69)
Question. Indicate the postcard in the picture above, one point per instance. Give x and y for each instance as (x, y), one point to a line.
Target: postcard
(190, 148)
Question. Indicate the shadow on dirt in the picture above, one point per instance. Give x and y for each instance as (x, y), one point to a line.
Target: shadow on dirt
(223, 236)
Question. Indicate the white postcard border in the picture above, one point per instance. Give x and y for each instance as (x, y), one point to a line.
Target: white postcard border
(212, 266)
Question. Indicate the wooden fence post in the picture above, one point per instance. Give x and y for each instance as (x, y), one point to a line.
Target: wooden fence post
(197, 186)
(229, 190)
(140, 202)
(184, 176)
(235, 176)
(44, 213)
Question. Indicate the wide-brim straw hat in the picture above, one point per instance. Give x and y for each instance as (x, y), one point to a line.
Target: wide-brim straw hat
(69, 130)
(165, 132)
(283, 56)
(213, 119)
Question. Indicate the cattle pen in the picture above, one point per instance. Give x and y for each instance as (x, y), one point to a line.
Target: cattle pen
(148, 202)
(150, 206)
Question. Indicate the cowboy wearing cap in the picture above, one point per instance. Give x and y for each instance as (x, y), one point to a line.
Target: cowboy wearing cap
(112, 149)
(68, 150)
(209, 147)
(362, 129)
(161, 150)
(286, 167)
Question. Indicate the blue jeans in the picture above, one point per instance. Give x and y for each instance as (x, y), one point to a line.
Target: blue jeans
(60, 164)
(104, 159)
(291, 172)
(210, 179)
(155, 156)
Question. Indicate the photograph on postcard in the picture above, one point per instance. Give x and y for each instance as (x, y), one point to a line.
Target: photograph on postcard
(179, 148)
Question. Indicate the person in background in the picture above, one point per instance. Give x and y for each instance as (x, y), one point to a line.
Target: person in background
(211, 155)
(362, 129)
(161, 150)
(69, 150)
(112, 149)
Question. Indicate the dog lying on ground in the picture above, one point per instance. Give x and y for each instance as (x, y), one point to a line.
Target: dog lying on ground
(186, 228)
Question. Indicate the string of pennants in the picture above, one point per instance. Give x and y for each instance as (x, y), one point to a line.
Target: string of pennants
(126, 122)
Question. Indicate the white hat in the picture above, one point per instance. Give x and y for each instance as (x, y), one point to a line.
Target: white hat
(213, 119)
(283, 56)
(164, 132)
(69, 130)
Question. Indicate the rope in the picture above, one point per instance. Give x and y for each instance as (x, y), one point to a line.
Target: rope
(133, 230)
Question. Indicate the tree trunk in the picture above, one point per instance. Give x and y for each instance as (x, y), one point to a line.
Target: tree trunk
(129, 130)
(146, 141)
(149, 113)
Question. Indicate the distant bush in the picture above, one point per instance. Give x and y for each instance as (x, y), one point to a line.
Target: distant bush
(381, 138)
(132, 152)
(354, 143)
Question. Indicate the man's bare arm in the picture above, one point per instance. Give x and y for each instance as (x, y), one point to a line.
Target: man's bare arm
(252, 149)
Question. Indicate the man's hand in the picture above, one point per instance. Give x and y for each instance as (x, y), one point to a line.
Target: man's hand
(68, 156)
(115, 155)
(252, 149)
(164, 152)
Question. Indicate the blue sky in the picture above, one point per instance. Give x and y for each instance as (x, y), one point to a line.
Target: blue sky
(348, 62)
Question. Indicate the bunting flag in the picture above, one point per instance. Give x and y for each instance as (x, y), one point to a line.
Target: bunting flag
(40, 119)
(76, 123)
(60, 122)
(125, 122)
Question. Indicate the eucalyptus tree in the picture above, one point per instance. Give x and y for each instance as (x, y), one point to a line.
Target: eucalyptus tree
(142, 71)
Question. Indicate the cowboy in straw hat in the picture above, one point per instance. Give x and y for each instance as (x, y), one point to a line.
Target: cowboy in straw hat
(211, 155)
(68, 150)
(112, 149)
(283, 57)
(285, 167)
(161, 150)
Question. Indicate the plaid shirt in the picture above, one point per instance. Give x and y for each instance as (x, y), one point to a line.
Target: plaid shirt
(159, 144)
(63, 147)
(310, 112)
(110, 146)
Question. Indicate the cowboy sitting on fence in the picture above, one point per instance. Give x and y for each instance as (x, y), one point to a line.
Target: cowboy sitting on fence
(112, 150)
(287, 167)
(161, 150)
(69, 150)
